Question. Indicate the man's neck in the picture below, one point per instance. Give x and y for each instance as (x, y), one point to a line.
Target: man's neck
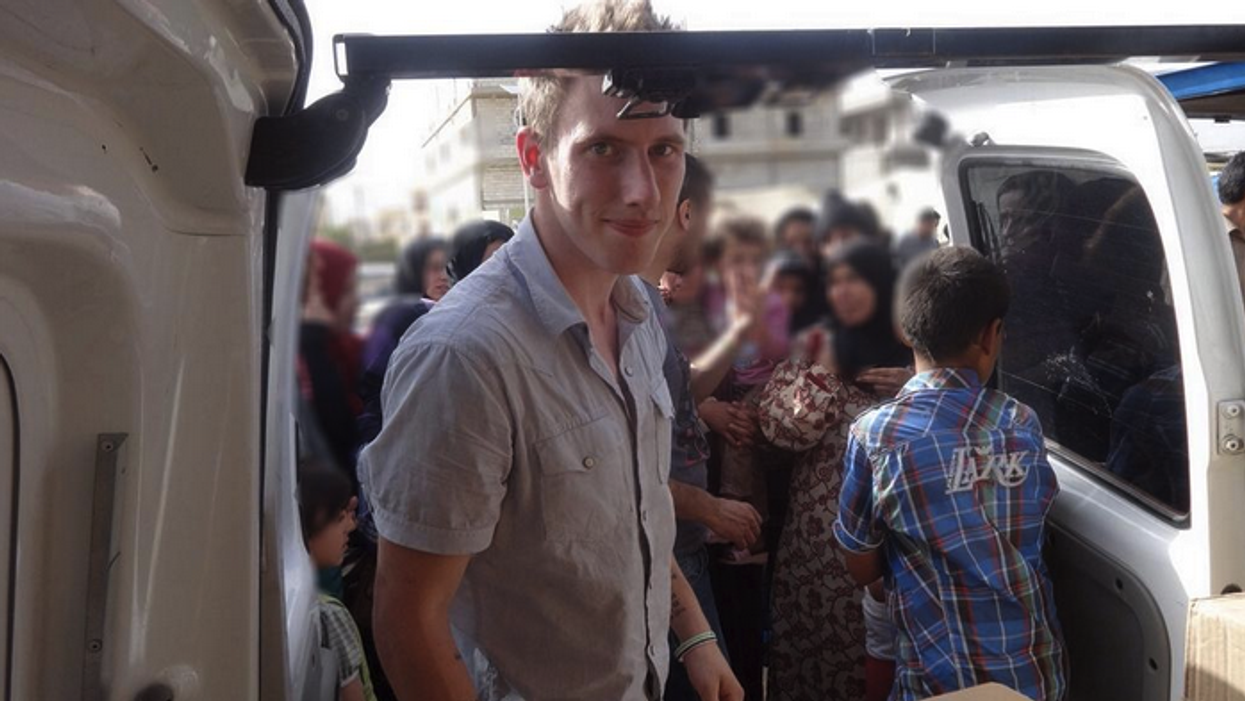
(588, 286)
(923, 364)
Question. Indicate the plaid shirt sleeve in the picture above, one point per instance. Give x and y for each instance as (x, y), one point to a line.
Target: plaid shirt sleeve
(856, 528)
(343, 640)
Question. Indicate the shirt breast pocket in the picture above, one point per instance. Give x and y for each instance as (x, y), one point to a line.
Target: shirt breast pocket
(663, 428)
(583, 483)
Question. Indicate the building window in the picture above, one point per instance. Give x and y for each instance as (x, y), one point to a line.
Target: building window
(721, 126)
(795, 124)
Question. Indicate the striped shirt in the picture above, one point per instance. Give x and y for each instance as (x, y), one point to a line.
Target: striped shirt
(951, 480)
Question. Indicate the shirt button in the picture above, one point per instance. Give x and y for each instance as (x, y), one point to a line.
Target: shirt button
(652, 651)
(628, 371)
(644, 516)
(590, 462)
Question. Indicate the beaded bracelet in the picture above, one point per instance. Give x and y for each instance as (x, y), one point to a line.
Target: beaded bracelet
(694, 642)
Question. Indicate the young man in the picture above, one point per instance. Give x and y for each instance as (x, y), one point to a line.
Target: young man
(946, 492)
(696, 509)
(1232, 197)
(519, 482)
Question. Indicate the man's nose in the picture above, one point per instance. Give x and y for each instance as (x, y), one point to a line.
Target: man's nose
(639, 181)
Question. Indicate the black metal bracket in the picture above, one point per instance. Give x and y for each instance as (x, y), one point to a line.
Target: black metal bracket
(666, 88)
(319, 143)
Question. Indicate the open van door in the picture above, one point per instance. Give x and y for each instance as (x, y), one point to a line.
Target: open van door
(1125, 335)
(8, 478)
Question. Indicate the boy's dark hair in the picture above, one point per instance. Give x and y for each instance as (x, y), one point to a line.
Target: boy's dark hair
(697, 182)
(947, 297)
(1232, 180)
(788, 263)
(804, 215)
(323, 493)
(745, 230)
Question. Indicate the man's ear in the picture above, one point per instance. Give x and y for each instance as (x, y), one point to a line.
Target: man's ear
(531, 158)
(991, 338)
(684, 215)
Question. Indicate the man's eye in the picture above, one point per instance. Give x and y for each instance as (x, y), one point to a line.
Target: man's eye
(664, 150)
(601, 149)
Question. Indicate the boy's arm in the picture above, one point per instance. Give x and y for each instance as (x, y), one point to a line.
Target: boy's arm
(710, 367)
(856, 528)
(353, 691)
(865, 568)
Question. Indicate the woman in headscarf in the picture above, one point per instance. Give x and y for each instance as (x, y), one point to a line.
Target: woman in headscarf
(838, 370)
(329, 352)
(474, 243)
(420, 281)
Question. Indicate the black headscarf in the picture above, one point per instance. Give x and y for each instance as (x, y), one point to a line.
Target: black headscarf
(873, 344)
(469, 244)
(410, 276)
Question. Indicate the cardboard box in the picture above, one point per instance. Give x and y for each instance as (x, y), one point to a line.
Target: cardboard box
(985, 692)
(1215, 649)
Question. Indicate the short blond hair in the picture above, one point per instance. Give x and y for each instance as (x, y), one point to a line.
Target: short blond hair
(542, 95)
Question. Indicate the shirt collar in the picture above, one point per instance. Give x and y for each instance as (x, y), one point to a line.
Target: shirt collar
(942, 379)
(554, 307)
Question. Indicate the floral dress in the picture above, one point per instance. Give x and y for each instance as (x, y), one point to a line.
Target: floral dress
(817, 651)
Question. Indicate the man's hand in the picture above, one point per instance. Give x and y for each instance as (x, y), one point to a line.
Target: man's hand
(710, 674)
(735, 521)
(731, 421)
(885, 382)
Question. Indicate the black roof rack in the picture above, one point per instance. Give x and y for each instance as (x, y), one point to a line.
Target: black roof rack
(688, 72)
(480, 56)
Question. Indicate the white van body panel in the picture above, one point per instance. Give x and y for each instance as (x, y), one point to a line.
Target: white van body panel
(131, 302)
(1114, 117)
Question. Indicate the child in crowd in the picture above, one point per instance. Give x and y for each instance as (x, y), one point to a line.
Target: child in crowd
(946, 493)
(788, 275)
(745, 250)
(327, 514)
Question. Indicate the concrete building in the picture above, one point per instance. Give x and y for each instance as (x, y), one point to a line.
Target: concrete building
(467, 166)
(767, 159)
(882, 164)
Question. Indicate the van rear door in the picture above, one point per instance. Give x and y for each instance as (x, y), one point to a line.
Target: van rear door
(1126, 334)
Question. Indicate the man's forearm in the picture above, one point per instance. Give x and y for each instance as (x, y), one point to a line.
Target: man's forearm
(710, 367)
(686, 618)
(413, 638)
(691, 503)
(421, 659)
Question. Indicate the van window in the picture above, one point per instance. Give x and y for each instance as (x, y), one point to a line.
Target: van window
(1091, 338)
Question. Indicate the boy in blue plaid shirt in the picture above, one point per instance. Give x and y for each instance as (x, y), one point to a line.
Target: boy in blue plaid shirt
(945, 495)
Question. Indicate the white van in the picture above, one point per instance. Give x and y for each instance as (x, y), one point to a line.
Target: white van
(150, 260)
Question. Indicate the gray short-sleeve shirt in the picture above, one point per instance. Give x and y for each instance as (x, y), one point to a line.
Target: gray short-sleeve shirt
(506, 437)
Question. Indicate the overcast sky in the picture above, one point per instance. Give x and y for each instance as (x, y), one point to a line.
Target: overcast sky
(385, 174)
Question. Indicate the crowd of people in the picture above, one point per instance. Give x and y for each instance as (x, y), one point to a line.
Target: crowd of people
(634, 448)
